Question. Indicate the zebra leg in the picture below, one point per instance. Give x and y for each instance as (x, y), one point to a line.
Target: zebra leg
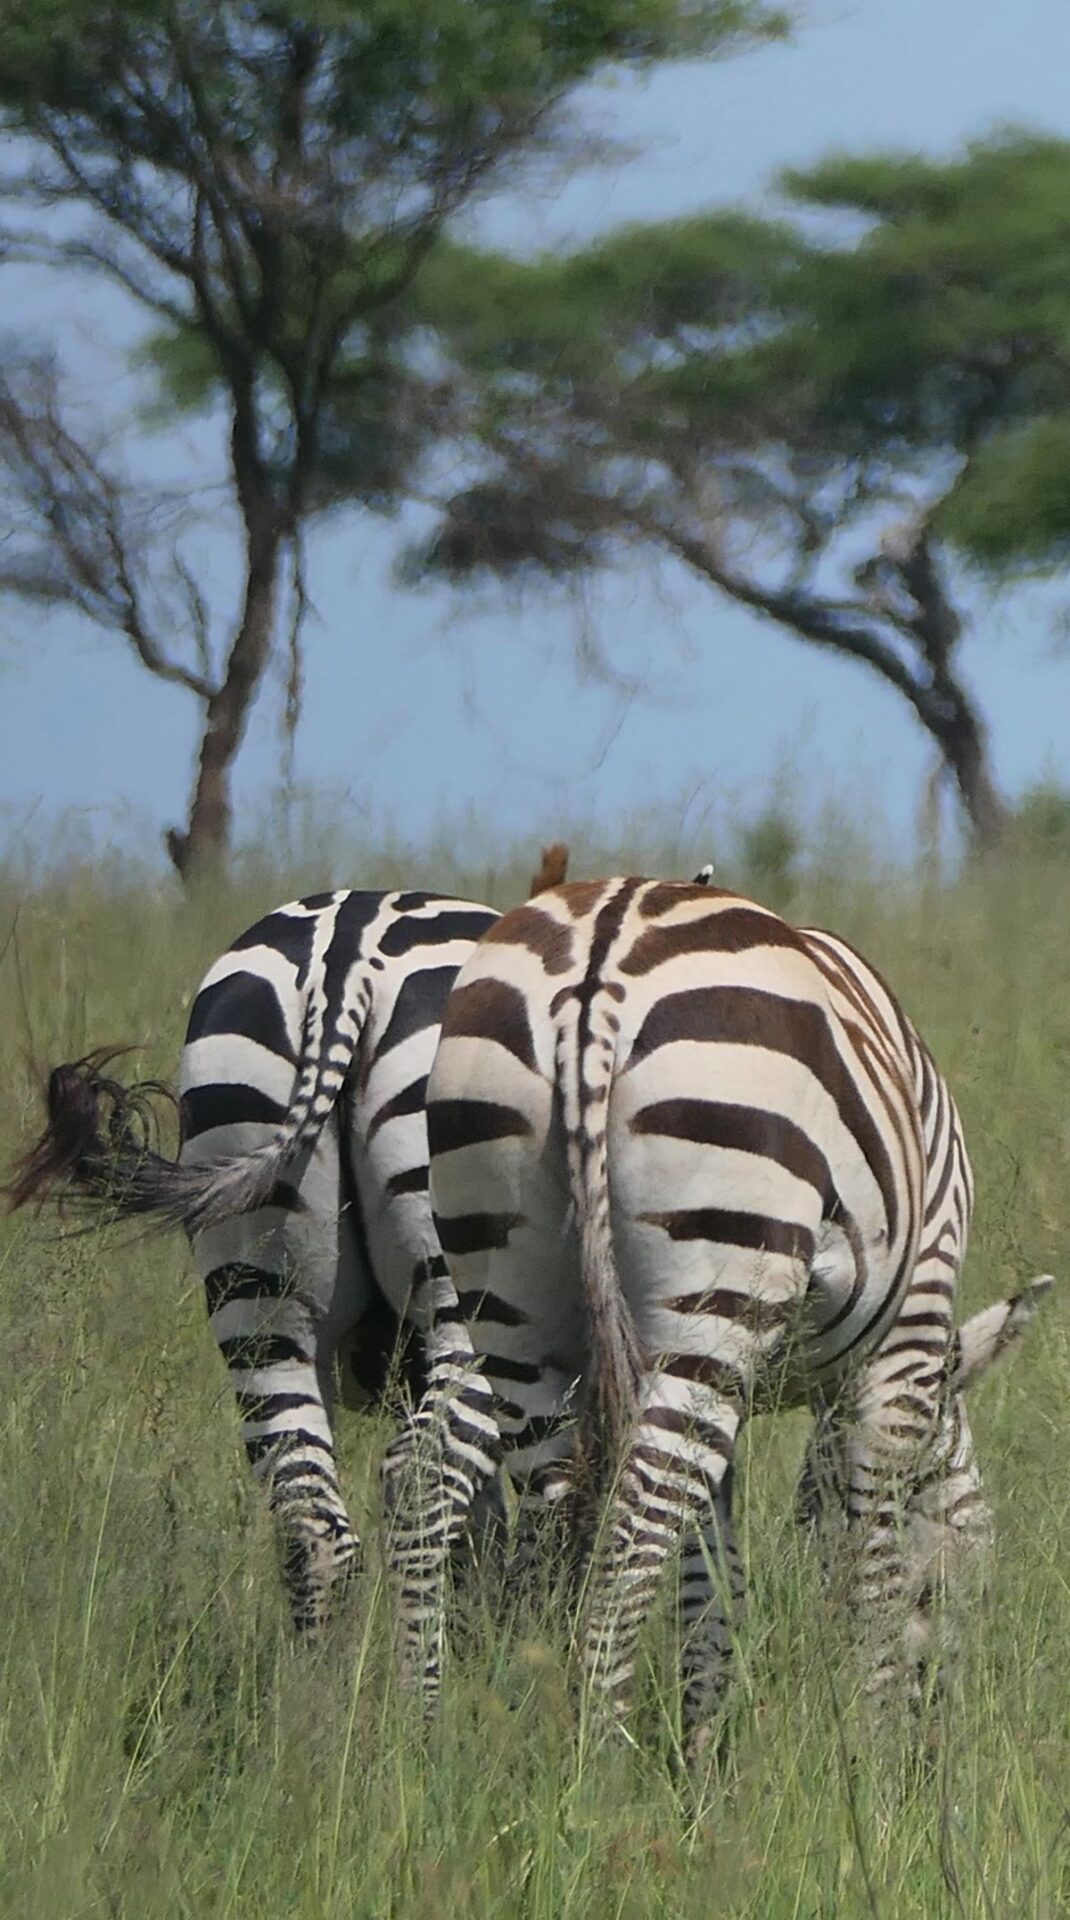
(887, 1444)
(821, 1489)
(818, 1486)
(280, 1363)
(712, 1593)
(431, 1474)
(486, 1540)
(547, 1509)
(949, 1538)
(282, 1284)
(672, 1476)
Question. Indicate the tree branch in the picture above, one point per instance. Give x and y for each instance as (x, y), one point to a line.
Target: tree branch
(95, 258)
(88, 552)
(839, 625)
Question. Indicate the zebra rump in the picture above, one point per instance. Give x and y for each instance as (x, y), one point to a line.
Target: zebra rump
(98, 1139)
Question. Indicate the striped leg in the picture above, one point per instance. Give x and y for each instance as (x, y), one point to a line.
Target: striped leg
(282, 1284)
(712, 1593)
(888, 1445)
(279, 1364)
(432, 1473)
(821, 1490)
(950, 1534)
(940, 1522)
(549, 1507)
(672, 1477)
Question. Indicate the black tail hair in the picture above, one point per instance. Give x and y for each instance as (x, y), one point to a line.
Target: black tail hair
(99, 1145)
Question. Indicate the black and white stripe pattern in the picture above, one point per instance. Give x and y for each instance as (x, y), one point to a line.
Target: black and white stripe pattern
(302, 1183)
(950, 1506)
(687, 1161)
(303, 1084)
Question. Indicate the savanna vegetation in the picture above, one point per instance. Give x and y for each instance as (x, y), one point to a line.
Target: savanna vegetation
(165, 1749)
(829, 416)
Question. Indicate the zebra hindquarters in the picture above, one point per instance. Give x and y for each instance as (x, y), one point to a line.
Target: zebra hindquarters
(282, 1284)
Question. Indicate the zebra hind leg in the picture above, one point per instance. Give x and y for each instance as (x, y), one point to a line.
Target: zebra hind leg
(431, 1473)
(711, 1600)
(949, 1540)
(279, 1369)
(887, 1440)
(672, 1477)
(821, 1490)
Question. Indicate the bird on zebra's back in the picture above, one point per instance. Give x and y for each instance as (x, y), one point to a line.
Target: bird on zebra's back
(688, 1161)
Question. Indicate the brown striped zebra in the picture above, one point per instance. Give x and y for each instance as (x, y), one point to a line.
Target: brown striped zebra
(688, 1162)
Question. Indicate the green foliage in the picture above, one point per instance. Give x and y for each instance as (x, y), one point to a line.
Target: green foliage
(922, 343)
(166, 1754)
(1014, 513)
(266, 179)
(770, 847)
(640, 285)
(950, 312)
(1042, 821)
(404, 76)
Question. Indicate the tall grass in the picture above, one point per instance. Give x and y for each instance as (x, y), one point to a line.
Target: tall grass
(166, 1751)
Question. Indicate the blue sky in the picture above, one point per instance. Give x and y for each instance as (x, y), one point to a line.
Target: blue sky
(424, 705)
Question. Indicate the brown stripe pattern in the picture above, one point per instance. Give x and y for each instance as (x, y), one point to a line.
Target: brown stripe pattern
(726, 1169)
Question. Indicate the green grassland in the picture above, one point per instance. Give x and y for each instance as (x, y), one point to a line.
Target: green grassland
(165, 1749)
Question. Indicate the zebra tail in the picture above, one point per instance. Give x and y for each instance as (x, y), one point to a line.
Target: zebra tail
(585, 1067)
(96, 1146)
(982, 1339)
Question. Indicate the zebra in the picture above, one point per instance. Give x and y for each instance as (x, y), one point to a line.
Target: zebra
(302, 1184)
(688, 1162)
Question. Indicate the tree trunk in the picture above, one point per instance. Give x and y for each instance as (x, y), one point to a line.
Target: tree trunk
(202, 849)
(962, 738)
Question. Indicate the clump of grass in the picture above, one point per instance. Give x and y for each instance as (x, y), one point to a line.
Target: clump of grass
(165, 1751)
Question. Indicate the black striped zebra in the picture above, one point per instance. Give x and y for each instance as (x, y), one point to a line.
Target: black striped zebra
(302, 1183)
(687, 1161)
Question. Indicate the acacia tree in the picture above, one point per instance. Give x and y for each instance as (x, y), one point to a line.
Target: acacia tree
(263, 181)
(808, 424)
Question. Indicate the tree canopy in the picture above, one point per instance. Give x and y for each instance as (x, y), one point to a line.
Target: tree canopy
(264, 182)
(815, 413)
